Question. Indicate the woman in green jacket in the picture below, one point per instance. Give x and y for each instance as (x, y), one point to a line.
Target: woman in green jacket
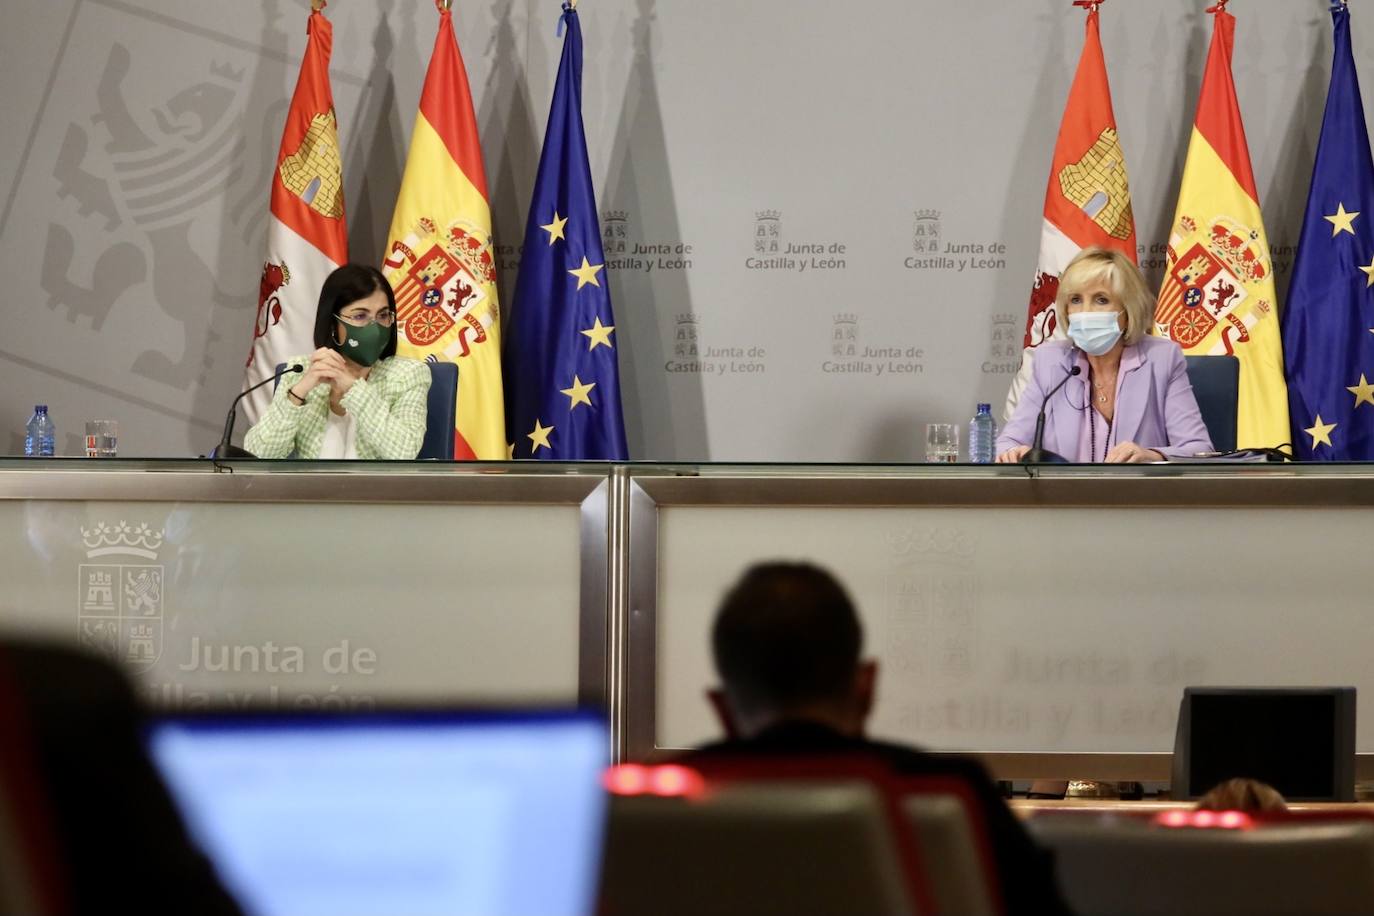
(356, 397)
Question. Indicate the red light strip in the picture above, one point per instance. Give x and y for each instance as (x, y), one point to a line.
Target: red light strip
(668, 781)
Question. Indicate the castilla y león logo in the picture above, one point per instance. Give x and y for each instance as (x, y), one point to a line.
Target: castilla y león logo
(925, 232)
(121, 599)
(767, 231)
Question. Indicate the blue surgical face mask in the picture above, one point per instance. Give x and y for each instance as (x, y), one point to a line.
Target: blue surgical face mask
(1095, 333)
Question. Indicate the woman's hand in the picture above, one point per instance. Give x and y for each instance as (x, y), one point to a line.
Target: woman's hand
(1013, 455)
(326, 367)
(1130, 453)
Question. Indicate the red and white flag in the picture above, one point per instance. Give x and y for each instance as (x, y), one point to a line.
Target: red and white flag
(1088, 201)
(307, 237)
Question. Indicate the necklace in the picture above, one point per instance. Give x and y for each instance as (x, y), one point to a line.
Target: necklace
(1101, 390)
(1092, 438)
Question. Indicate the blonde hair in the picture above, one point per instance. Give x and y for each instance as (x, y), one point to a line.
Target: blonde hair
(1243, 795)
(1103, 265)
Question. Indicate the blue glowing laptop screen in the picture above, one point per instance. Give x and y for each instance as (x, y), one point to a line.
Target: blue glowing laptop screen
(394, 815)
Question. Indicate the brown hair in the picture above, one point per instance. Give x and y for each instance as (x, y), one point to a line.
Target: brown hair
(1249, 795)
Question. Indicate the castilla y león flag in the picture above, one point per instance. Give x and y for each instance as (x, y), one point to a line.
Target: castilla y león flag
(439, 255)
(1088, 201)
(307, 237)
(1218, 295)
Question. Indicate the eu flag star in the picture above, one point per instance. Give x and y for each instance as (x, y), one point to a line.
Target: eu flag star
(1363, 392)
(540, 437)
(599, 335)
(556, 228)
(579, 393)
(1369, 272)
(587, 273)
(1320, 432)
(1342, 221)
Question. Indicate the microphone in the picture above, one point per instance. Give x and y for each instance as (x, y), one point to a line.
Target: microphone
(224, 449)
(1037, 453)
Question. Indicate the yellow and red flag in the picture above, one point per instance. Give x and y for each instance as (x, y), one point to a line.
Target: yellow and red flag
(1218, 295)
(1088, 201)
(306, 237)
(439, 255)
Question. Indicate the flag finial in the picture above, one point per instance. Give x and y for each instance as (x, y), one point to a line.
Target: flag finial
(444, 5)
(1218, 7)
(1089, 5)
(569, 8)
(318, 5)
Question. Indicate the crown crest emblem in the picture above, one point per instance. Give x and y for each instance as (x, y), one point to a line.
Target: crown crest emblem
(228, 72)
(105, 539)
(687, 318)
(927, 214)
(1239, 249)
(1004, 318)
(768, 214)
(616, 216)
(846, 318)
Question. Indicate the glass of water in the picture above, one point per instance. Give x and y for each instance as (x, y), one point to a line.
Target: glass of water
(102, 438)
(942, 443)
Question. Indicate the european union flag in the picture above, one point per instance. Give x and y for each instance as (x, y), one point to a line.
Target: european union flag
(561, 375)
(1328, 327)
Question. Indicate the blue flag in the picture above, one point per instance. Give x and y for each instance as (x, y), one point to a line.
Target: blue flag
(561, 375)
(1328, 327)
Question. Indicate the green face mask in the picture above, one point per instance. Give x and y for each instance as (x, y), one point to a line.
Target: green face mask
(364, 346)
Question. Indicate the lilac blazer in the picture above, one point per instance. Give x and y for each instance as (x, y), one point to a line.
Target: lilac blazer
(1155, 408)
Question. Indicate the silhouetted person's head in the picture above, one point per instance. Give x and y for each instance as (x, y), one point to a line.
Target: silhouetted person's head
(1248, 795)
(787, 643)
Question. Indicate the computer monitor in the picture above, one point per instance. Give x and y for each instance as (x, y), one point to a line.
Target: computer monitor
(1301, 741)
(386, 813)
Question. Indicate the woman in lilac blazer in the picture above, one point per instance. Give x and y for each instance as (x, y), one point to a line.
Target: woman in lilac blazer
(1131, 400)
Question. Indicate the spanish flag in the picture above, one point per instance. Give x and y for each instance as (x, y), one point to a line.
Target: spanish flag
(1218, 296)
(439, 255)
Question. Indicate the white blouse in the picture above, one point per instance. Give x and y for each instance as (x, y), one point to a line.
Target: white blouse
(340, 437)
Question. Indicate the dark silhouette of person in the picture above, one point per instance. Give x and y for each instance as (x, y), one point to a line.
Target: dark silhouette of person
(99, 829)
(787, 646)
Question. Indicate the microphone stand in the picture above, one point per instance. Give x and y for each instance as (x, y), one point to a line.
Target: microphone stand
(1038, 454)
(225, 449)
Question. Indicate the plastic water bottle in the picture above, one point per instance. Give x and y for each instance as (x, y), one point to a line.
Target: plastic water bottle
(39, 434)
(982, 436)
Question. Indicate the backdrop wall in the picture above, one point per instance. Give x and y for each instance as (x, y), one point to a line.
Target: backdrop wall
(895, 155)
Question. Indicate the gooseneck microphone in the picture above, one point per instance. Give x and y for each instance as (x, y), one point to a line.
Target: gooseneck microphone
(1037, 453)
(224, 449)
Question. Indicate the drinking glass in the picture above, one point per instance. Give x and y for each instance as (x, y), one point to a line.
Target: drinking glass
(942, 443)
(102, 437)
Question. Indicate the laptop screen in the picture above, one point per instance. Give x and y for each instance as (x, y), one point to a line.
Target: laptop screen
(423, 814)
